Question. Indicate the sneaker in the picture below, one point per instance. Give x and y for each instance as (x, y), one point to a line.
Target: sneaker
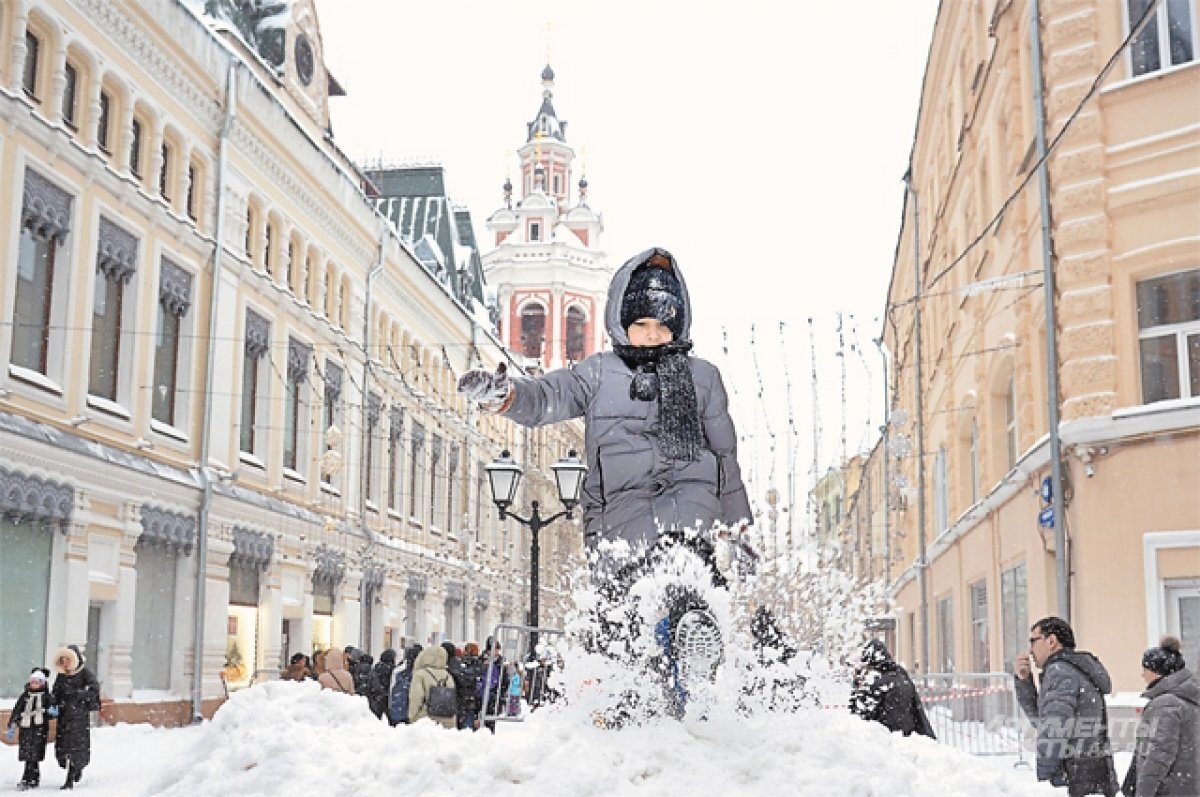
(697, 646)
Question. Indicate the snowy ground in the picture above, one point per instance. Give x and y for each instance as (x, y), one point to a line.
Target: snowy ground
(280, 737)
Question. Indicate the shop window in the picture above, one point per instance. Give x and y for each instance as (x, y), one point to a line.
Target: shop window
(1168, 310)
(323, 598)
(154, 616)
(1013, 612)
(25, 550)
(1152, 50)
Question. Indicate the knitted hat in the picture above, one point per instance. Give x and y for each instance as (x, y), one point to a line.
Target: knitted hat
(654, 292)
(38, 674)
(1164, 659)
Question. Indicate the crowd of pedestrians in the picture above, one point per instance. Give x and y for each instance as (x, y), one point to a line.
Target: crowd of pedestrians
(443, 683)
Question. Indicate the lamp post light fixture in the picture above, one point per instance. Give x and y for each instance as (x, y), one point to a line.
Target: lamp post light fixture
(504, 476)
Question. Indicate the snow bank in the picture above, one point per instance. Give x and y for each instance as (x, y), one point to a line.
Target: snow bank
(279, 736)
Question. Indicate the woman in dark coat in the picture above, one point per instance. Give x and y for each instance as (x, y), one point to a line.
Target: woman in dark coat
(30, 722)
(884, 693)
(77, 694)
(1166, 756)
(381, 678)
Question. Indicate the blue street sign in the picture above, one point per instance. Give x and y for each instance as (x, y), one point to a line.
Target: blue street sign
(1046, 518)
(1047, 490)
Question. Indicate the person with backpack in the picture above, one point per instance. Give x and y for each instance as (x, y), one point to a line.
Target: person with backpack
(381, 679)
(400, 683)
(473, 671)
(432, 693)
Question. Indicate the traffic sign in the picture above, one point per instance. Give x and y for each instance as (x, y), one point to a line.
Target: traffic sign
(1046, 518)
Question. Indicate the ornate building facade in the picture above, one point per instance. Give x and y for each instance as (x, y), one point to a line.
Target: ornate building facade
(228, 425)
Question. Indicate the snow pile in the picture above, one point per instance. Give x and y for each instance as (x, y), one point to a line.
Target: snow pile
(279, 736)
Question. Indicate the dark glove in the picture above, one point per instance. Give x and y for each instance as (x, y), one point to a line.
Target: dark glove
(488, 390)
(52, 712)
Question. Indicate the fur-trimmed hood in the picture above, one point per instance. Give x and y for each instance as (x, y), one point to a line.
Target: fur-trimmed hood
(68, 660)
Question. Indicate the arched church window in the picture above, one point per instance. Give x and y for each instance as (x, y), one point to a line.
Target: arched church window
(533, 330)
(576, 323)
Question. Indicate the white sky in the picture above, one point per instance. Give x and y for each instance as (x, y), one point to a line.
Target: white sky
(761, 142)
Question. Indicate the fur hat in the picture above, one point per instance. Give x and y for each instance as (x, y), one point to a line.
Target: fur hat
(1164, 659)
(68, 660)
(654, 292)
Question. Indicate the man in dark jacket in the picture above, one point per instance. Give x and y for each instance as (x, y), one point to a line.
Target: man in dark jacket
(1166, 759)
(77, 694)
(1067, 710)
(381, 679)
(884, 693)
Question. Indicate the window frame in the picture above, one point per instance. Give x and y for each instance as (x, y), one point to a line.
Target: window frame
(104, 122)
(136, 142)
(1181, 333)
(70, 97)
(981, 648)
(31, 70)
(1162, 49)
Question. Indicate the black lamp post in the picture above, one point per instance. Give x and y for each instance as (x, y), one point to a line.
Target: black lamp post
(504, 475)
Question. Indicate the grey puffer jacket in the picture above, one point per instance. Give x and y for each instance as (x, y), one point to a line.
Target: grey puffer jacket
(1167, 755)
(633, 489)
(1068, 712)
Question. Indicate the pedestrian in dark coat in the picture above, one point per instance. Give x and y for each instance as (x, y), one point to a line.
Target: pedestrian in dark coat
(1068, 710)
(77, 694)
(493, 682)
(660, 445)
(473, 671)
(400, 685)
(381, 679)
(30, 723)
(884, 693)
(454, 666)
(1166, 758)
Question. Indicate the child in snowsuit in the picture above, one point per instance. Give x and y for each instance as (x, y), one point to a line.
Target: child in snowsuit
(30, 723)
(77, 695)
(514, 691)
(660, 446)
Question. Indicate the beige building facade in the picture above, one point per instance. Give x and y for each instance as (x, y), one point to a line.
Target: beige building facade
(228, 424)
(968, 446)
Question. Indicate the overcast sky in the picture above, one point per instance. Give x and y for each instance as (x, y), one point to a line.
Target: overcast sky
(762, 142)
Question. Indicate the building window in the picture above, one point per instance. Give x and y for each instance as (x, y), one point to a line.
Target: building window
(1151, 51)
(1168, 310)
(45, 222)
(533, 330)
(331, 408)
(535, 231)
(974, 460)
(435, 474)
(293, 404)
(395, 458)
(374, 408)
(135, 149)
(945, 634)
(1010, 423)
(576, 335)
(451, 483)
(69, 95)
(102, 121)
(33, 52)
(415, 483)
(154, 616)
(268, 248)
(164, 174)
(980, 651)
(257, 342)
(1013, 612)
(174, 299)
(941, 493)
(116, 261)
(192, 176)
(25, 555)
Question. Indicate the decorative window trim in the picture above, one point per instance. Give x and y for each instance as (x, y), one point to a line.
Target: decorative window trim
(252, 549)
(25, 497)
(454, 593)
(175, 288)
(332, 377)
(418, 587)
(45, 208)
(164, 528)
(297, 361)
(374, 409)
(116, 251)
(483, 599)
(373, 577)
(331, 566)
(396, 430)
(258, 335)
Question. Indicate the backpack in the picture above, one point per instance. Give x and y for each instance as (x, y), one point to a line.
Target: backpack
(442, 701)
(398, 699)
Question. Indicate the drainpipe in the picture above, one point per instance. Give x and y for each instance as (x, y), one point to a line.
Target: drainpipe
(206, 418)
(922, 565)
(1062, 573)
(887, 489)
(365, 633)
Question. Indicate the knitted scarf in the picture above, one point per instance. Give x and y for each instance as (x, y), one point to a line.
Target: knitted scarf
(664, 373)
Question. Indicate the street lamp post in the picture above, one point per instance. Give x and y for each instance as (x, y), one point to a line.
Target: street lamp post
(504, 475)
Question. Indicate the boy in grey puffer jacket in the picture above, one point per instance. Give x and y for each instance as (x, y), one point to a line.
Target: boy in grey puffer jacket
(660, 446)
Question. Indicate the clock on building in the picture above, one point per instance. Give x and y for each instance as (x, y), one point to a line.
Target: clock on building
(304, 59)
